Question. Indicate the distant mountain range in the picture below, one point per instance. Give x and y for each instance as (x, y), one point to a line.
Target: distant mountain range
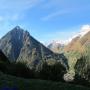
(71, 43)
(56, 46)
(19, 46)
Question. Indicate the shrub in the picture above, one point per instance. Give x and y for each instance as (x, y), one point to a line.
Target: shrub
(52, 72)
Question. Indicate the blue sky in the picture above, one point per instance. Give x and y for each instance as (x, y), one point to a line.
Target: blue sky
(46, 20)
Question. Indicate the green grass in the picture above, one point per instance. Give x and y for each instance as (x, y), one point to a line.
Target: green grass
(30, 84)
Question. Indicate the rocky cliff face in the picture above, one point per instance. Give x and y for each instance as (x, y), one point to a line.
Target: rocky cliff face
(12, 43)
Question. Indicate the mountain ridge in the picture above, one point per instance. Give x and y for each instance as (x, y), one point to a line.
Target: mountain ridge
(19, 46)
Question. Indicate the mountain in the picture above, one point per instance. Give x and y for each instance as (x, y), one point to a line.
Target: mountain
(82, 67)
(79, 40)
(19, 46)
(71, 43)
(77, 52)
(74, 45)
(56, 46)
(12, 43)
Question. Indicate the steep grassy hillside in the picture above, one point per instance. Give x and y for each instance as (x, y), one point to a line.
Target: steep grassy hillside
(74, 51)
(82, 67)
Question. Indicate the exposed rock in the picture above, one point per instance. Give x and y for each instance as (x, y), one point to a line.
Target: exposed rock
(19, 46)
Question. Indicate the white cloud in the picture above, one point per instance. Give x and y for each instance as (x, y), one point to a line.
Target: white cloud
(85, 28)
(82, 31)
(55, 14)
(13, 10)
(63, 7)
(66, 36)
(62, 12)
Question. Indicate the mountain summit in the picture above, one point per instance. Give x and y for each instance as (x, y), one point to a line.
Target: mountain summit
(56, 46)
(12, 43)
(19, 46)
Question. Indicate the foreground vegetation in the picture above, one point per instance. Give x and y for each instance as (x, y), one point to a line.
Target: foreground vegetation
(18, 76)
(8, 82)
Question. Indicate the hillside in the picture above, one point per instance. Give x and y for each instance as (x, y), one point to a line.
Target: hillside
(82, 67)
(77, 52)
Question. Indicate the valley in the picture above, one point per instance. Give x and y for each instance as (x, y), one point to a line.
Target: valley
(58, 66)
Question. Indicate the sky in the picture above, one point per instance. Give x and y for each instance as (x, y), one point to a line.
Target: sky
(46, 20)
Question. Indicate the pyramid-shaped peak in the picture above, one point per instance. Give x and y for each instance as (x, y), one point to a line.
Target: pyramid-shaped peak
(17, 27)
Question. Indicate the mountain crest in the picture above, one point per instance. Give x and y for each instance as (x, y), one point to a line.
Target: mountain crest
(17, 27)
(19, 45)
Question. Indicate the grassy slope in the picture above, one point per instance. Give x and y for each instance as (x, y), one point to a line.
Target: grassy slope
(24, 84)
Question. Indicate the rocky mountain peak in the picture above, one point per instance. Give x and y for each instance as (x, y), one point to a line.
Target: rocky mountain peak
(13, 41)
(17, 29)
(19, 45)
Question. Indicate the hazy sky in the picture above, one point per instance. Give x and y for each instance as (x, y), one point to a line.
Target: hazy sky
(45, 19)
